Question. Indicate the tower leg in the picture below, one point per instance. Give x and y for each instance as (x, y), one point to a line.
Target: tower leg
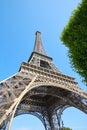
(55, 120)
(4, 126)
(46, 119)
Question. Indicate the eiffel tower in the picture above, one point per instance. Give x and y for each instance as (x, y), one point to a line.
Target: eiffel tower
(39, 88)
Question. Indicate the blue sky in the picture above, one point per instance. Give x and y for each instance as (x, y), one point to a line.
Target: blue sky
(19, 20)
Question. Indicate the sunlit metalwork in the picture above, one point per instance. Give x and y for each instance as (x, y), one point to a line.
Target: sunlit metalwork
(39, 88)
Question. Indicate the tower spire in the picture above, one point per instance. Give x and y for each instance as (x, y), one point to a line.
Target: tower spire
(38, 44)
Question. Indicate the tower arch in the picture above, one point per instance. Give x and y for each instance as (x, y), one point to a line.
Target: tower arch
(39, 88)
(27, 121)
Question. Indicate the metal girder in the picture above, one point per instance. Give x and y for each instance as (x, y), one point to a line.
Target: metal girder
(39, 88)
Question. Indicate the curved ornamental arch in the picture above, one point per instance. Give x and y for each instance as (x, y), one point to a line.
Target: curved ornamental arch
(41, 89)
(28, 119)
(48, 98)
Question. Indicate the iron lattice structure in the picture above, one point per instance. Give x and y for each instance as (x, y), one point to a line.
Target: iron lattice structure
(39, 88)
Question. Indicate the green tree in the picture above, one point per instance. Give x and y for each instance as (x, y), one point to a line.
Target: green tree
(65, 128)
(74, 36)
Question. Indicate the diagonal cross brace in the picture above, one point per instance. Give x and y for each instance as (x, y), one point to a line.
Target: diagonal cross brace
(16, 103)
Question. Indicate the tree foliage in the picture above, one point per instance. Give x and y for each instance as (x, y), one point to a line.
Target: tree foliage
(74, 36)
(65, 128)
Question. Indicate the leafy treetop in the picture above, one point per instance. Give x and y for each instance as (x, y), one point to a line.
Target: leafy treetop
(74, 36)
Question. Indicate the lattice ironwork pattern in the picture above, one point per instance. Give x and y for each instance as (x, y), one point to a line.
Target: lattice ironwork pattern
(39, 88)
